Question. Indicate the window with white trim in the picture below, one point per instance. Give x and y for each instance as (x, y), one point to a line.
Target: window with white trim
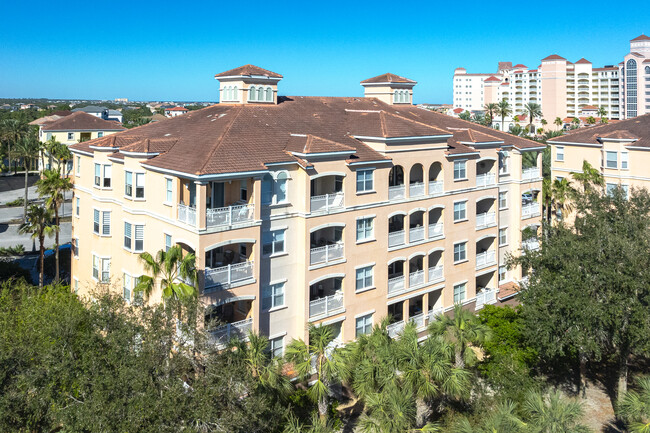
(460, 252)
(103, 175)
(503, 273)
(75, 247)
(77, 206)
(168, 190)
(273, 296)
(460, 211)
(101, 269)
(168, 242)
(260, 94)
(276, 347)
(139, 185)
(611, 159)
(460, 170)
(363, 325)
(273, 242)
(503, 200)
(364, 229)
(559, 153)
(624, 156)
(100, 134)
(133, 237)
(365, 180)
(274, 188)
(230, 93)
(127, 284)
(102, 222)
(78, 166)
(128, 184)
(364, 277)
(610, 188)
(460, 291)
(70, 135)
(106, 223)
(503, 236)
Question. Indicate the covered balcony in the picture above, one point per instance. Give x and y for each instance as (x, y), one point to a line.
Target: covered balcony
(229, 203)
(416, 226)
(531, 172)
(486, 212)
(416, 181)
(326, 297)
(436, 227)
(396, 230)
(416, 312)
(229, 265)
(326, 193)
(434, 305)
(530, 237)
(486, 172)
(396, 189)
(396, 279)
(326, 245)
(486, 293)
(436, 269)
(436, 176)
(396, 317)
(530, 207)
(486, 252)
(416, 271)
(229, 320)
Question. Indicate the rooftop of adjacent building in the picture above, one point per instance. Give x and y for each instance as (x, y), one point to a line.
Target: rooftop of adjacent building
(636, 131)
(82, 121)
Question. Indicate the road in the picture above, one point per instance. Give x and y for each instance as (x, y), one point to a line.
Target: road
(9, 237)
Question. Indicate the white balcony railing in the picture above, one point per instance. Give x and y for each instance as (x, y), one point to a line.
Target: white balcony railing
(435, 187)
(327, 202)
(485, 179)
(486, 219)
(395, 284)
(326, 254)
(395, 238)
(416, 189)
(227, 275)
(187, 214)
(530, 210)
(229, 215)
(394, 329)
(485, 259)
(416, 278)
(435, 313)
(326, 306)
(436, 273)
(224, 333)
(396, 192)
(436, 230)
(485, 296)
(530, 244)
(530, 173)
(418, 320)
(416, 234)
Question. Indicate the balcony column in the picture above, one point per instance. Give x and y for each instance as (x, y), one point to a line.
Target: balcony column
(256, 196)
(425, 305)
(405, 310)
(201, 207)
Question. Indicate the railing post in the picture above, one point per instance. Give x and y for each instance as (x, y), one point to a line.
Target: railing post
(229, 274)
(229, 215)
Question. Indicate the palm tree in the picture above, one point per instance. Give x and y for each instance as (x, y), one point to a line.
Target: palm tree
(263, 367)
(502, 419)
(490, 109)
(590, 177)
(553, 414)
(544, 123)
(12, 131)
(465, 115)
(53, 187)
(391, 410)
(558, 122)
(462, 330)
(37, 223)
(602, 113)
(534, 110)
(318, 355)
(26, 149)
(562, 193)
(591, 120)
(318, 425)
(503, 110)
(576, 122)
(634, 407)
(177, 274)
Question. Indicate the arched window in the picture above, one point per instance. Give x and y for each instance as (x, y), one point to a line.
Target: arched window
(267, 189)
(274, 188)
(281, 187)
(396, 96)
(251, 93)
(235, 93)
(647, 70)
(269, 94)
(260, 94)
(630, 87)
(225, 93)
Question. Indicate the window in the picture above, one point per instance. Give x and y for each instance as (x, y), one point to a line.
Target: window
(559, 153)
(168, 242)
(460, 252)
(611, 159)
(364, 277)
(276, 347)
(168, 189)
(624, 160)
(503, 200)
(610, 188)
(70, 135)
(364, 229)
(102, 221)
(260, 93)
(243, 190)
(77, 206)
(273, 296)
(96, 221)
(274, 188)
(280, 189)
(503, 162)
(104, 181)
(76, 286)
(626, 190)
(106, 223)
(96, 267)
(107, 176)
(98, 174)
(127, 235)
(273, 242)
(503, 236)
(100, 134)
(460, 170)
(459, 292)
(364, 180)
(75, 247)
(139, 185)
(230, 93)
(101, 269)
(127, 281)
(460, 211)
(364, 325)
(503, 273)
(78, 165)
(106, 270)
(630, 73)
(128, 184)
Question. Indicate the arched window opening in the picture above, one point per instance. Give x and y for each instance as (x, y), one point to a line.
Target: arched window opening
(260, 94)
(631, 88)
(251, 93)
(269, 94)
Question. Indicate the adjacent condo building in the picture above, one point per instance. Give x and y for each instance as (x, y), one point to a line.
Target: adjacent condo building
(326, 210)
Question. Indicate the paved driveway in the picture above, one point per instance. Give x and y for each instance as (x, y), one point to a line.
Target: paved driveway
(9, 237)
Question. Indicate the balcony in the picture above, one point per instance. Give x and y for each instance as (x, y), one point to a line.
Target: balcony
(396, 284)
(396, 238)
(530, 210)
(485, 179)
(416, 278)
(530, 244)
(227, 275)
(487, 219)
(435, 187)
(530, 173)
(224, 333)
(436, 231)
(433, 314)
(485, 259)
(416, 234)
(485, 297)
(326, 306)
(326, 254)
(394, 329)
(396, 192)
(416, 189)
(230, 215)
(327, 202)
(187, 214)
(418, 320)
(436, 273)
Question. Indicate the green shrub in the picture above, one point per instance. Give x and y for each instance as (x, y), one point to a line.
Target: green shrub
(16, 250)
(15, 203)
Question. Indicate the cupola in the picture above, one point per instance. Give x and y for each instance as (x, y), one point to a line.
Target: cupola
(390, 88)
(248, 84)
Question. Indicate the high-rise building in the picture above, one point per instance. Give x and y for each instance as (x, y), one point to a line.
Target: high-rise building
(635, 79)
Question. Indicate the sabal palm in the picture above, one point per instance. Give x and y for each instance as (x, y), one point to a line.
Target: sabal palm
(552, 414)
(26, 148)
(602, 112)
(462, 330)
(534, 110)
(12, 131)
(634, 407)
(562, 193)
(53, 187)
(590, 177)
(558, 122)
(173, 270)
(317, 425)
(491, 108)
(391, 410)
(263, 367)
(37, 224)
(503, 110)
(502, 419)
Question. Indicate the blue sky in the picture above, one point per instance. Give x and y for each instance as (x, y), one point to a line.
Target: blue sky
(171, 50)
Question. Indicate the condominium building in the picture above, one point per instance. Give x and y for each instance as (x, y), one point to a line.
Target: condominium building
(634, 71)
(327, 210)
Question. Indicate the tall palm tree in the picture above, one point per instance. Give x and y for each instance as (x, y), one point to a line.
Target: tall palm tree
(177, 274)
(12, 131)
(27, 150)
(590, 177)
(391, 410)
(534, 110)
(462, 331)
(503, 110)
(37, 224)
(53, 187)
(558, 122)
(267, 370)
(634, 407)
(544, 123)
(602, 112)
(490, 109)
(319, 358)
(553, 413)
(576, 122)
(562, 194)
(502, 419)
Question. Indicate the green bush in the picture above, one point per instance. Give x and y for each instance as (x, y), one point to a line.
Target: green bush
(16, 250)
(15, 203)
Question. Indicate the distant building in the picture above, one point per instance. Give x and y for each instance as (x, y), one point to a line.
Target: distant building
(123, 100)
(28, 106)
(51, 118)
(175, 111)
(635, 79)
(101, 112)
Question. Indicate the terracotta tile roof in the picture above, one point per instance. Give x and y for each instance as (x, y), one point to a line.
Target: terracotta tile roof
(583, 60)
(472, 136)
(492, 78)
(613, 68)
(248, 70)
(520, 66)
(80, 121)
(388, 78)
(518, 72)
(641, 38)
(621, 134)
(637, 127)
(176, 109)
(553, 57)
(240, 138)
(458, 110)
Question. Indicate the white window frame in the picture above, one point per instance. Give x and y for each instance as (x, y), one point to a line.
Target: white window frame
(503, 200)
(70, 136)
(78, 168)
(608, 153)
(458, 292)
(128, 184)
(463, 210)
(77, 206)
(624, 160)
(273, 296)
(463, 251)
(103, 168)
(366, 180)
(503, 273)
(503, 230)
(139, 185)
(367, 278)
(165, 238)
(367, 229)
(270, 238)
(462, 169)
(365, 322)
(276, 350)
(559, 153)
(127, 287)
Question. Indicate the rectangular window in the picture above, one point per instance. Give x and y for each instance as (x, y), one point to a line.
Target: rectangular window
(503, 236)
(276, 347)
(460, 251)
(77, 206)
(98, 175)
(95, 267)
(460, 211)
(364, 325)
(128, 184)
(75, 247)
(139, 185)
(503, 200)
(459, 292)
(364, 278)
(364, 180)
(626, 190)
(106, 270)
(70, 135)
(243, 190)
(168, 242)
(128, 236)
(559, 153)
(624, 160)
(273, 296)
(95, 221)
(100, 134)
(611, 159)
(126, 287)
(78, 165)
(168, 187)
(503, 273)
(460, 170)
(364, 229)
(610, 187)
(139, 238)
(106, 223)
(107, 176)
(273, 242)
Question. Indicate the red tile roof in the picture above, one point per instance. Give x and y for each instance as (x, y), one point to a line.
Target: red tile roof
(553, 57)
(641, 38)
(520, 66)
(81, 121)
(635, 128)
(388, 78)
(248, 70)
(177, 109)
(458, 110)
(492, 78)
(583, 60)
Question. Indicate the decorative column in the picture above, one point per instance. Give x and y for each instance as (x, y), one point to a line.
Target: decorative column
(201, 209)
